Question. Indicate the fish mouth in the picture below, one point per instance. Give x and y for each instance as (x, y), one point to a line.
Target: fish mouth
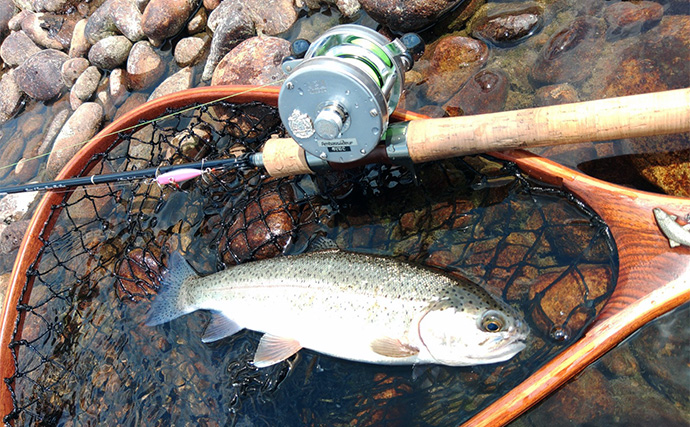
(507, 352)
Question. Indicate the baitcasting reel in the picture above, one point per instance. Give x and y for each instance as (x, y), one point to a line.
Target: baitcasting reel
(336, 101)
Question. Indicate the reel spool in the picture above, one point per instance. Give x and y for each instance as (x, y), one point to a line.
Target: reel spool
(336, 101)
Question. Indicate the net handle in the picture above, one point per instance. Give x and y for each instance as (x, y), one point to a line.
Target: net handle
(657, 113)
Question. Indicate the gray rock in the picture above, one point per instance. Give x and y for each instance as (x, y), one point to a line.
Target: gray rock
(80, 127)
(7, 11)
(49, 30)
(113, 17)
(85, 86)
(58, 6)
(15, 23)
(407, 15)
(11, 99)
(144, 66)
(181, 80)
(17, 48)
(163, 19)
(79, 47)
(40, 76)
(14, 206)
(227, 35)
(72, 69)
(190, 50)
(11, 237)
(110, 52)
(255, 61)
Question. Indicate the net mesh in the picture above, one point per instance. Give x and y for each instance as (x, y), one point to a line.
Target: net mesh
(83, 356)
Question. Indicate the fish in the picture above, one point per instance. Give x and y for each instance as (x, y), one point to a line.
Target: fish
(675, 233)
(349, 305)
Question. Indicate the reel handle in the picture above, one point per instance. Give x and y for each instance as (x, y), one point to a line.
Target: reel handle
(657, 113)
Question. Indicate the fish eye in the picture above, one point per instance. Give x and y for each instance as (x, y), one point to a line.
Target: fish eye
(492, 321)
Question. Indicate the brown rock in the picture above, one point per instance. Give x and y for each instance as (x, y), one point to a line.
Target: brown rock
(113, 17)
(163, 19)
(7, 11)
(507, 26)
(570, 54)
(144, 66)
(229, 33)
(85, 86)
(190, 50)
(49, 30)
(110, 52)
(137, 274)
(11, 98)
(631, 18)
(82, 125)
(454, 60)
(79, 47)
(485, 92)
(198, 22)
(407, 15)
(40, 76)
(255, 61)
(72, 69)
(181, 80)
(12, 236)
(17, 48)
(118, 86)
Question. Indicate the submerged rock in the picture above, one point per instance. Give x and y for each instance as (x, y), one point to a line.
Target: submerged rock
(11, 99)
(407, 15)
(507, 26)
(17, 48)
(79, 128)
(485, 92)
(631, 18)
(144, 66)
(255, 61)
(40, 76)
(555, 95)
(181, 80)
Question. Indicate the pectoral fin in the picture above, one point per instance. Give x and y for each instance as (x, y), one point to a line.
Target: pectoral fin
(274, 349)
(391, 347)
(220, 327)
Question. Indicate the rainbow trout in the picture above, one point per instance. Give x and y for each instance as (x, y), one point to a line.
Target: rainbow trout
(348, 305)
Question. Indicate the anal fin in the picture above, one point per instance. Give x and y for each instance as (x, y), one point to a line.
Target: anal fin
(273, 349)
(391, 347)
(220, 327)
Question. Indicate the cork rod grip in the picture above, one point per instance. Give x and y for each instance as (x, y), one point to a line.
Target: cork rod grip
(283, 157)
(625, 117)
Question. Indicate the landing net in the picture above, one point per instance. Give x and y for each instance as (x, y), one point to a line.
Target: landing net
(83, 356)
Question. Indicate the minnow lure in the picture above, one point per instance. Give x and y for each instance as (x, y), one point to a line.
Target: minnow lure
(675, 233)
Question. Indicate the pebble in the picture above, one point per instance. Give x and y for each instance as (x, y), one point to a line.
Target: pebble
(485, 92)
(85, 86)
(80, 45)
(110, 52)
(118, 86)
(49, 30)
(163, 19)
(72, 69)
(181, 80)
(508, 25)
(563, 93)
(11, 99)
(7, 11)
(631, 18)
(198, 22)
(53, 129)
(15, 23)
(190, 50)
(40, 76)
(454, 60)
(58, 6)
(570, 53)
(79, 128)
(17, 48)
(144, 66)
(255, 61)
(113, 17)
(407, 15)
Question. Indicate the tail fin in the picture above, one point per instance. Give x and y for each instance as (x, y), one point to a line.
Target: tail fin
(166, 306)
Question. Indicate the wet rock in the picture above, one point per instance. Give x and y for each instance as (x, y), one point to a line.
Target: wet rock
(555, 95)
(144, 66)
(7, 11)
(72, 69)
(11, 237)
(14, 207)
(79, 47)
(485, 92)
(181, 80)
(103, 98)
(570, 54)
(235, 20)
(163, 19)
(138, 273)
(53, 129)
(118, 86)
(132, 102)
(17, 48)
(508, 25)
(407, 15)
(85, 86)
(190, 50)
(198, 23)
(454, 60)
(11, 99)
(49, 30)
(80, 127)
(40, 76)
(631, 18)
(110, 52)
(113, 17)
(255, 61)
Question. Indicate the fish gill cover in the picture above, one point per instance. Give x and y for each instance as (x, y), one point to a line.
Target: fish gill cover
(85, 357)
